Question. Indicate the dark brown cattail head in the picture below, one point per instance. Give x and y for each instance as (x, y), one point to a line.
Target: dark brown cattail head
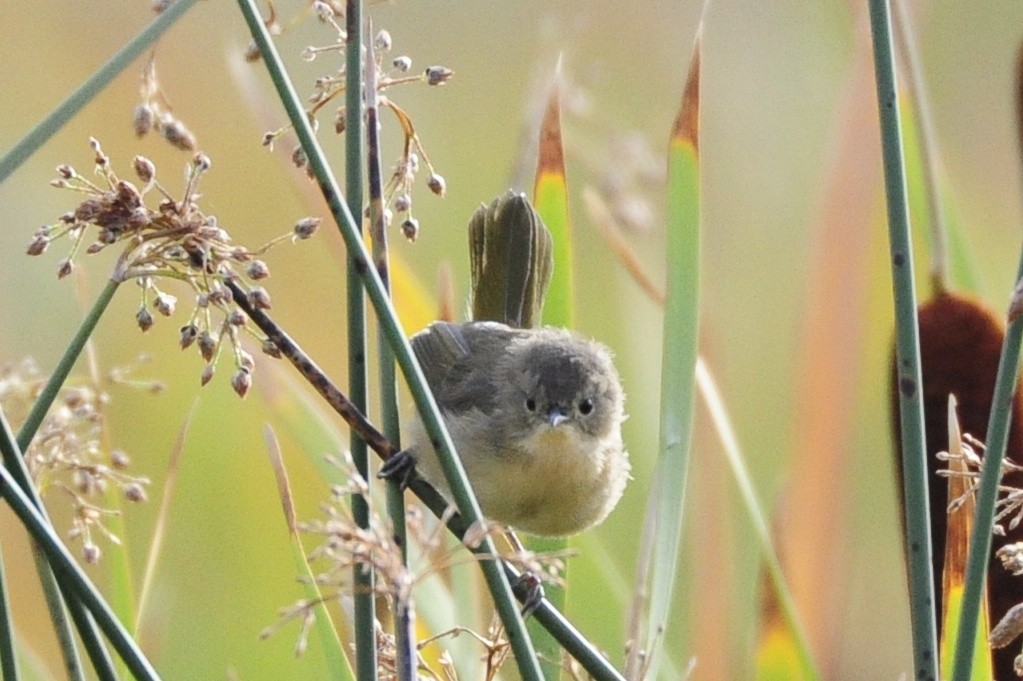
(960, 346)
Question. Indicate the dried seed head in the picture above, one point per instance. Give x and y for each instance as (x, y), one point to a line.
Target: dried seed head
(237, 318)
(402, 203)
(1010, 626)
(64, 268)
(135, 492)
(144, 319)
(175, 132)
(306, 227)
(201, 162)
(257, 269)
(95, 248)
(437, 185)
(340, 120)
(143, 119)
(119, 459)
(298, 157)
(88, 210)
(241, 381)
(38, 245)
(91, 553)
(207, 375)
(259, 298)
(402, 63)
(268, 139)
(245, 360)
(382, 41)
(323, 11)
(165, 303)
(410, 228)
(1016, 304)
(207, 345)
(144, 169)
(438, 75)
(1011, 556)
(270, 348)
(65, 171)
(252, 51)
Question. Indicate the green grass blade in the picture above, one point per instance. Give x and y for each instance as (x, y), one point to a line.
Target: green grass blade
(922, 594)
(8, 658)
(333, 649)
(550, 197)
(681, 321)
(56, 119)
(722, 424)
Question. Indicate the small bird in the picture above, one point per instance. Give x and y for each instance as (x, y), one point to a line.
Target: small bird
(535, 416)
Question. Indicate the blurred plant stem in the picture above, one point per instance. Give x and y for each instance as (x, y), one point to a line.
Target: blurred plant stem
(907, 338)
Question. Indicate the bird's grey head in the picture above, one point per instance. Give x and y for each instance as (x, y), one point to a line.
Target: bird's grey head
(559, 380)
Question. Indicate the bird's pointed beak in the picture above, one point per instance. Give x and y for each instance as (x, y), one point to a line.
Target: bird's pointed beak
(556, 416)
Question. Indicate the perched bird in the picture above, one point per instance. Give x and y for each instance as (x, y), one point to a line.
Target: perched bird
(535, 416)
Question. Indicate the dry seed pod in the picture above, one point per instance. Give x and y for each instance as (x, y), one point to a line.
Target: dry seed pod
(960, 346)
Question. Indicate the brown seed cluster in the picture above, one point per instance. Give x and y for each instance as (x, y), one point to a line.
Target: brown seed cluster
(67, 454)
(154, 113)
(177, 241)
(390, 72)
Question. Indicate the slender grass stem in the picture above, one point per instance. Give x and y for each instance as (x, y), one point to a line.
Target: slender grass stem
(8, 658)
(497, 582)
(64, 565)
(365, 604)
(67, 362)
(405, 655)
(991, 474)
(907, 339)
(51, 588)
(931, 166)
(56, 119)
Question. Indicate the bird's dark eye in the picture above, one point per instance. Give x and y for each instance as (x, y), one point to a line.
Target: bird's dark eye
(586, 406)
(530, 404)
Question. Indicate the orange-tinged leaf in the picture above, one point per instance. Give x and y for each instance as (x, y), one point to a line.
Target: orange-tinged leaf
(957, 548)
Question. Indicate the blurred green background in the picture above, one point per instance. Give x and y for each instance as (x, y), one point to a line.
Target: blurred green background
(796, 293)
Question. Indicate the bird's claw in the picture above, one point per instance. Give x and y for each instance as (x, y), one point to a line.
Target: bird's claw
(400, 468)
(529, 590)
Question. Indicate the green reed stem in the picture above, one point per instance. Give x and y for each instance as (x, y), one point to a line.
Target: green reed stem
(907, 343)
(71, 577)
(365, 603)
(51, 588)
(500, 590)
(991, 475)
(404, 639)
(8, 658)
(56, 119)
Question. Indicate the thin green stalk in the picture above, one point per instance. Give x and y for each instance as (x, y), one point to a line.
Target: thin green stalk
(365, 604)
(930, 166)
(405, 655)
(991, 473)
(907, 344)
(754, 508)
(64, 565)
(63, 369)
(8, 658)
(86, 627)
(56, 119)
(573, 642)
(500, 590)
